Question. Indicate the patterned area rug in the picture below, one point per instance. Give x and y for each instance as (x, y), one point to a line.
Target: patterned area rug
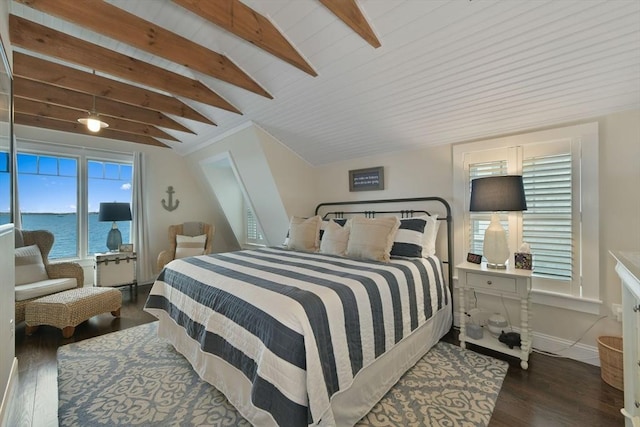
(134, 378)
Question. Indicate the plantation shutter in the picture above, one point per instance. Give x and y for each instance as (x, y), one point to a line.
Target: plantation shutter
(547, 222)
(254, 234)
(479, 221)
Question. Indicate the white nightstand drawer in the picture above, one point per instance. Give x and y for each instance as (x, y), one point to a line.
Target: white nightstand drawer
(495, 283)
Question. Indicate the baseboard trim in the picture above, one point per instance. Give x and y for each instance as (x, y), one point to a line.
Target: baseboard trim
(8, 400)
(567, 349)
(558, 346)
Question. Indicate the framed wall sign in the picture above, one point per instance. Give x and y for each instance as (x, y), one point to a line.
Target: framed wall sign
(366, 179)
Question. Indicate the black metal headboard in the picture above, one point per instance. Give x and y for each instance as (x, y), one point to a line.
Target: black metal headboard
(404, 213)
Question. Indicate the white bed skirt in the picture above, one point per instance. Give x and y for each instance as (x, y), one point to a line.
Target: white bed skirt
(347, 406)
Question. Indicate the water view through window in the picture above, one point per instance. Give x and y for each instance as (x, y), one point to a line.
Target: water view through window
(49, 199)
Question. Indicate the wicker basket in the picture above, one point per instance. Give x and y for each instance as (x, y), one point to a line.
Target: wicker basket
(610, 350)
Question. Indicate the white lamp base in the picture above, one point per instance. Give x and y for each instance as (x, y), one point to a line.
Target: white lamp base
(495, 247)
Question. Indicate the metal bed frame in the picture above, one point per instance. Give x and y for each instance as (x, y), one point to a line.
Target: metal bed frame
(404, 214)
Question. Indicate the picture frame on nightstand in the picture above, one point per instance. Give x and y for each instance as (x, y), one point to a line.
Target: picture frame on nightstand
(126, 247)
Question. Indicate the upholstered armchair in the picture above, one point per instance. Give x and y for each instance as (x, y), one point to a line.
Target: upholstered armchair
(187, 239)
(35, 275)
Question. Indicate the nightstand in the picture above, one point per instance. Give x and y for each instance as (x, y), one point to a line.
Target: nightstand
(509, 282)
(116, 269)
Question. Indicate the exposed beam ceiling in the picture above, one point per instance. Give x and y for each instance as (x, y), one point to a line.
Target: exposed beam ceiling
(38, 38)
(446, 71)
(60, 75)
(118, 24)
(83, 102)
(54, 94)
(52, 111)
(349, 12)
(241, 20)
(47, 123)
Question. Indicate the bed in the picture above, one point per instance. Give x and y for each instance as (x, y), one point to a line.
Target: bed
(296, 338)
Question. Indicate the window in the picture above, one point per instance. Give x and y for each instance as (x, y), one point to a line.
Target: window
(254, 235)
(558, 221)
(547, 222)
(107, 181)
(48, 199)
(60, 190)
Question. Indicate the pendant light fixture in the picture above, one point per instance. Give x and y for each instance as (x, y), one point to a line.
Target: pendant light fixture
(93, 122)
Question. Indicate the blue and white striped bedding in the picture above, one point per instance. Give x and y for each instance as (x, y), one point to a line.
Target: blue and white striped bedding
(299, 326)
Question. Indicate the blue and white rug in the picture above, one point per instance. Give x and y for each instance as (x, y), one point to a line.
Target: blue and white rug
(134, 378)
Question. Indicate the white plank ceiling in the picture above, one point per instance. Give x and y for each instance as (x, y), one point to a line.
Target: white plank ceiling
(447, 71)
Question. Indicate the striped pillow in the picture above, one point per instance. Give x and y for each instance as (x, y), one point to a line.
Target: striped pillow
(190, 246)
(409, 238)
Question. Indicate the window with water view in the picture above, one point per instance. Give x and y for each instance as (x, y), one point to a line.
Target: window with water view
(54, 196)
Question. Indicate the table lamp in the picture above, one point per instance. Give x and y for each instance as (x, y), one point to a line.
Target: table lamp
(495, 194)
(114, 212)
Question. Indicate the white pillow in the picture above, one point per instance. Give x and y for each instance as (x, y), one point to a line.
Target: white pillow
(430, 235)
(335, 239)
(372, 238)
(304, 233)
(29, 265)
(190, 246)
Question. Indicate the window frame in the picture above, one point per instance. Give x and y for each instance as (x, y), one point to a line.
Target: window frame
(83, 156)
(260, 241)
(584, 294)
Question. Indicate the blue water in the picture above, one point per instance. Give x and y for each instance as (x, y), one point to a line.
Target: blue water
(65, 229)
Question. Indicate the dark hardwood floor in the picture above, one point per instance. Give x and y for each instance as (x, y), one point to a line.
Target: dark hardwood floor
(553, 392)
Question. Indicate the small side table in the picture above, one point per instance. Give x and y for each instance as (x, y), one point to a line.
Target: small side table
(116, 269)
(509, 282)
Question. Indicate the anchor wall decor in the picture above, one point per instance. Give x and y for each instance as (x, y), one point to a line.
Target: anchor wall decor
(170, 206)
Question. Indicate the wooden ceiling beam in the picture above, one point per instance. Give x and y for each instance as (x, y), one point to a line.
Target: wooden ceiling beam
(37, 108)
(47, 41)
(349, 12)
(239, 19)
(118, 24)
(48, 123)
(50, 94)
(71, 78)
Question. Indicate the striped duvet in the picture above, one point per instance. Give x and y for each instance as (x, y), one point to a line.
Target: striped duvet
(299, 326)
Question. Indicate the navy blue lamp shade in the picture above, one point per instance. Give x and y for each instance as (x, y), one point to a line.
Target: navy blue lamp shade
(497, 193)
(114, 211)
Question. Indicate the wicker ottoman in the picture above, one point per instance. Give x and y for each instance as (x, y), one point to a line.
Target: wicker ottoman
(66, 310)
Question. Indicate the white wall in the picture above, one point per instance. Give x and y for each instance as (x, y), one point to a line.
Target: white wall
(425, 172)
(226, 188)
(261, 163)
(7, 292)
(8, 362)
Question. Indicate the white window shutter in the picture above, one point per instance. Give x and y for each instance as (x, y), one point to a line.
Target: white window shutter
(547, 222)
